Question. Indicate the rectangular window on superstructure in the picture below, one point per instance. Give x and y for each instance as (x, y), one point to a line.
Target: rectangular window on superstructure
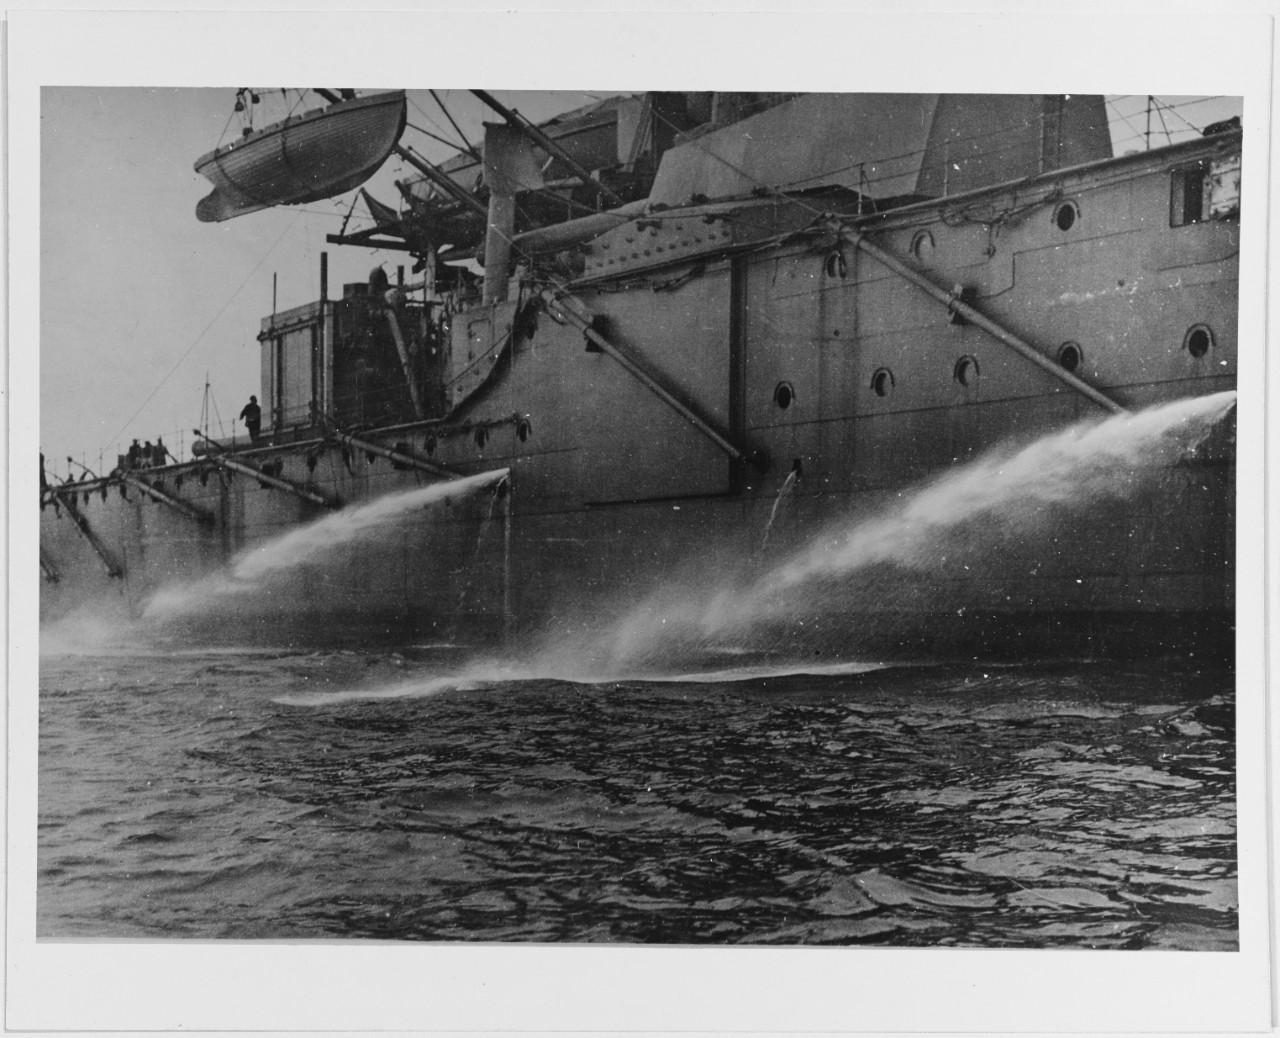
(1186, 195)
(1205, 191)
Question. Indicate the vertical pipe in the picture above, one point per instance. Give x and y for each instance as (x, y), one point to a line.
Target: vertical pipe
(317, 383)
(737, 367)
(497, 244)
(506, 561)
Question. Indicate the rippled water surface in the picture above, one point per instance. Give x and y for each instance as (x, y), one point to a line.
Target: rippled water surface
(407, 796)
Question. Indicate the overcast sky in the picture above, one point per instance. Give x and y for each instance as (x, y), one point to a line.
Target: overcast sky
(139, 300)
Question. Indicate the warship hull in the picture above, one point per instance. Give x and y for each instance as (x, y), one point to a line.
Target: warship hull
(718, 390)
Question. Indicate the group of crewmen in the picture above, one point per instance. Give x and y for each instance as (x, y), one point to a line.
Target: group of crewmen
(147, 455)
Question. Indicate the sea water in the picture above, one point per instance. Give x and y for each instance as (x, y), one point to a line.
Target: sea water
(417, 796)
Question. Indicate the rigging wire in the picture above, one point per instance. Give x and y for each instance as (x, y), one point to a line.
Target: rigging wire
(456, 127)
(434, 122)
(436, 137)
(204, 332)
(1120, 116)
(1160, 112)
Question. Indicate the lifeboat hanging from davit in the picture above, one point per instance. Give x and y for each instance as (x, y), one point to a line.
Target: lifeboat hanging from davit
(318, 154)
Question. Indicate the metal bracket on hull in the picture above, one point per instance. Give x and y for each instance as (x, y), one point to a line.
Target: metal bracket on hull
(567, 308)
(114, 568)
(277, 482)
(198, 515)
(957, 306)
(396, 457)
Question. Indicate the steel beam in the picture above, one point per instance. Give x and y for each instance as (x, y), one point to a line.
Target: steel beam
(441, 180)
(276, 481)
(522, 124)
(439, 471)
(47, 567)
(953, 302)
(114, 568)
(572, 310)
(192, 512)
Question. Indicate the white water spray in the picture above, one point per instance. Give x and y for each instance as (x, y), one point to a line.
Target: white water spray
(1022, 494)
(1075, 468)
(788, 485)
(307, 543)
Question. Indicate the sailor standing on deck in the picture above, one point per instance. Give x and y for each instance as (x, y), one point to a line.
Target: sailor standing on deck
(252, 415)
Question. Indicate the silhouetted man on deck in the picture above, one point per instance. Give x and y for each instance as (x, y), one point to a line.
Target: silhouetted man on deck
(252, 415)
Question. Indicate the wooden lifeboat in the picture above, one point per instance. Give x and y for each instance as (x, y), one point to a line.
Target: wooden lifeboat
(318, 154)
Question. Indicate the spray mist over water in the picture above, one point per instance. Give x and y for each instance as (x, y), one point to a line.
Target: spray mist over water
(1025, 494)
(308, 543)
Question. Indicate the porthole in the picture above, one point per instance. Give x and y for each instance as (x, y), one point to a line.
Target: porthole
(1065, 215)
(922, 246)
(783, 395)
(1198, 340)
(482, 437)
(882, 382)
(1069, 356)
(524, 429)
(966, 371)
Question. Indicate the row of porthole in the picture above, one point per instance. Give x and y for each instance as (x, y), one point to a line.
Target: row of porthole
(1065, 215)
(1197, 342)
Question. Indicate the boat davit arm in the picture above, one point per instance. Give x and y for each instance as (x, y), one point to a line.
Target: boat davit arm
(566, 308)
(199, 515)
(114, 568)
(952, 301)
